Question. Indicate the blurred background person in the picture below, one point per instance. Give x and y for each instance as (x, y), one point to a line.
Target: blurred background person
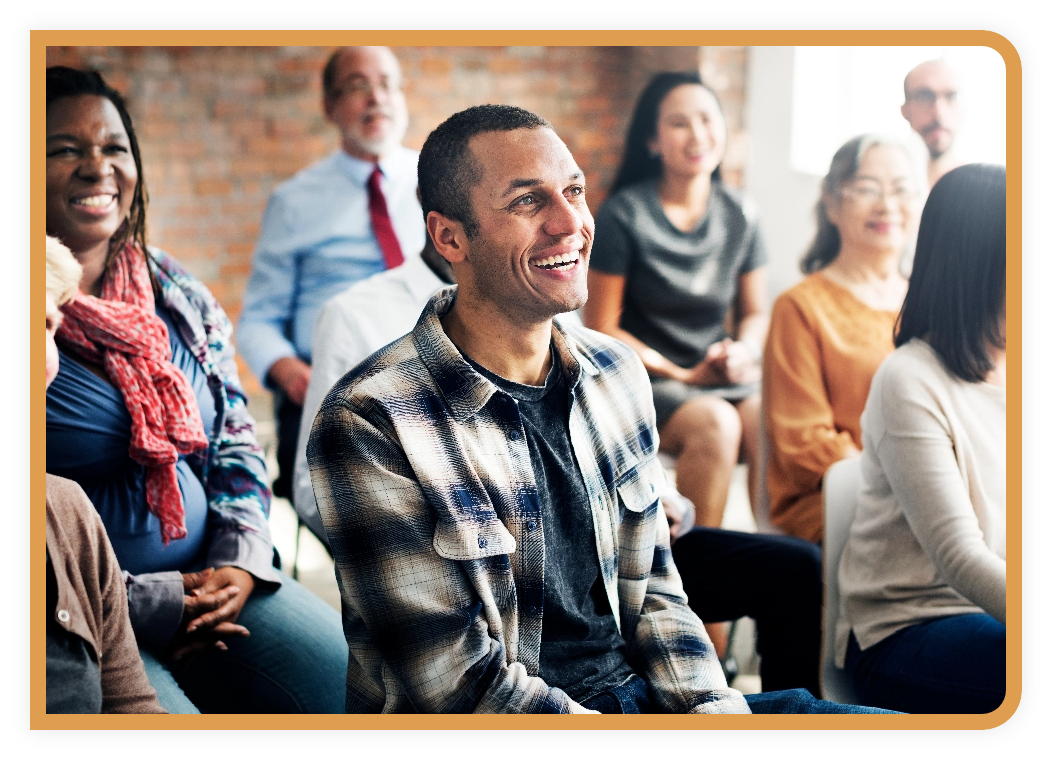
(677, 259)
(922, 577)
(933, 111)
(93, 665)
(830, 332)
(148, 416)
(344, 218)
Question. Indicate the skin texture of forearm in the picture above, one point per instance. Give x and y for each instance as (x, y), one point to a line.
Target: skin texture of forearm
(656, 364)
(753, 330)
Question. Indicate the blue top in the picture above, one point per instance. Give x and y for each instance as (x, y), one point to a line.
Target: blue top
(316, 239)
(88, 433)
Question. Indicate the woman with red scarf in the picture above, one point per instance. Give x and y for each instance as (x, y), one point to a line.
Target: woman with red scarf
(148, 416)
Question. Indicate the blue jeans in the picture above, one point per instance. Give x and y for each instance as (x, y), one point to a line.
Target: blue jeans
(633, 698)
(294, 661)
(953, 664)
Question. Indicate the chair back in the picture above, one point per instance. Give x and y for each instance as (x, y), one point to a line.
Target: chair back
(839, 502)
(761, 510)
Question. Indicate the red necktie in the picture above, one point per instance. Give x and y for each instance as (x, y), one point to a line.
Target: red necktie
(382, 228)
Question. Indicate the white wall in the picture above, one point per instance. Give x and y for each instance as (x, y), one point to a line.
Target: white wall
(784, 197)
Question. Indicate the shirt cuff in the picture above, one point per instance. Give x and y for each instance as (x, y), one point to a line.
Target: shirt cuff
(155, 606)
(260, 350)
(247, 551)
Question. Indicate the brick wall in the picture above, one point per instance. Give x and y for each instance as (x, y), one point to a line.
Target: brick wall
(221, 126)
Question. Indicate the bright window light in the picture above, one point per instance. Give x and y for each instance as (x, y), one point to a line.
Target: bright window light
(841, 92)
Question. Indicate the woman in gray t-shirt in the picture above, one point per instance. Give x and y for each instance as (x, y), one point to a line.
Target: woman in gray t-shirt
(677, 262)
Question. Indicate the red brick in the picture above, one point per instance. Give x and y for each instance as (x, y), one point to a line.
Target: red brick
(435, 66)
(236, 268)
(213, 187)
(238, 249)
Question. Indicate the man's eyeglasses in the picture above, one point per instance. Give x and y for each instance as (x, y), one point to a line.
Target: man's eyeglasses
(360, 87)
(929, 97)
(871, 192)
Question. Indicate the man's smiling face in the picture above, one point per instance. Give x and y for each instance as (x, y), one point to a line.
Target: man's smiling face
(530, 253)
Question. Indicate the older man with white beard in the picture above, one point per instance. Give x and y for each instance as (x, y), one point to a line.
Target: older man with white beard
(345, 218)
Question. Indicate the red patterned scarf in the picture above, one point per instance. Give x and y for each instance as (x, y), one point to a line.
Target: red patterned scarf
(121, 331)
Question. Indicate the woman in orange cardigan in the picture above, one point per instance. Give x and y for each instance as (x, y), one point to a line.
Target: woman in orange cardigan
(831, 331)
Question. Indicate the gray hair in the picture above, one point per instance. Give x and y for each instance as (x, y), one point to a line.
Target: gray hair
(826, 244)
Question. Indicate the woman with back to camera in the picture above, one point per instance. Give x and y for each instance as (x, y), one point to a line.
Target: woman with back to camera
(922, 578)
(674, 252)
(831, 331)
(148, 416)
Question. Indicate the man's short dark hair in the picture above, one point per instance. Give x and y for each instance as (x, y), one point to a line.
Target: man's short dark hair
(447, 170)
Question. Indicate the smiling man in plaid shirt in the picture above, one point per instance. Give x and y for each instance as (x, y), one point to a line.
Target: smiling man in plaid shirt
(490, 482)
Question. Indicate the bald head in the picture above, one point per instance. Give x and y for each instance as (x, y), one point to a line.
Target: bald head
(931, 105)
(363, 99)
(329, 75)
(927, 74)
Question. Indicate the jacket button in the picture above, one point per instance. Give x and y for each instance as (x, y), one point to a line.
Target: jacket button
(531, 525)
(63, 616)
(482, 542)
(531, 610)
(513, 434)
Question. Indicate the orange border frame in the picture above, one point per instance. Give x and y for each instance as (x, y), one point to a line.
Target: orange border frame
(39, 40)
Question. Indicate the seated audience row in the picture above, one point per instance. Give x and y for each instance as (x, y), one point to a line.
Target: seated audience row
(776, 581)
(458, 469)
(151, 421)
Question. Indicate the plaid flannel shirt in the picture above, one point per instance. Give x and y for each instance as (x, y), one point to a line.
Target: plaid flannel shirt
(425, 486)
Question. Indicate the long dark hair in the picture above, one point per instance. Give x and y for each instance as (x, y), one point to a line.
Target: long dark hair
(64, 82)
(637, 162)
(956, 297)
(826, 243)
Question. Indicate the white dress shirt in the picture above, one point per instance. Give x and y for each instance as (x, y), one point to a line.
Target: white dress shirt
(350, 326)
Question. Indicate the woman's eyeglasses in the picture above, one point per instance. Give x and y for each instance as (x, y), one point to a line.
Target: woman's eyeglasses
(873, 192)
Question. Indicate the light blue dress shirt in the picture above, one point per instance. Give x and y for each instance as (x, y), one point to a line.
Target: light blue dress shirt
(317, 239)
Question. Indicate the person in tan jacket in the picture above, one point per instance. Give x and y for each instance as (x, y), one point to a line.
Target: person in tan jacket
(830, 332)
(93, 663)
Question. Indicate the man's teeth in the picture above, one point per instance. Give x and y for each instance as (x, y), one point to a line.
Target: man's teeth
(95, 201)
(553, 262)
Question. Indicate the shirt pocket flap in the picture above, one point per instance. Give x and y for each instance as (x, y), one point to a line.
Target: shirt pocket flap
(641, 485)
(472, 540)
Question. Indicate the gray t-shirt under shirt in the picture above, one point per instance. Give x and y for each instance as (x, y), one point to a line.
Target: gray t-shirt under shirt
(582, 652)
(679, 285)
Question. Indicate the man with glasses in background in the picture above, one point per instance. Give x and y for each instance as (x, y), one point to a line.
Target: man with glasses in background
(342, 219)
(933, 111)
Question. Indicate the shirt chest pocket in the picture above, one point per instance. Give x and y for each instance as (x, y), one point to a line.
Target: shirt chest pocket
(640, 485)
(472, 539)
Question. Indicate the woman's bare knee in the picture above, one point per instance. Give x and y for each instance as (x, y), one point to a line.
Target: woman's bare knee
(707, 423)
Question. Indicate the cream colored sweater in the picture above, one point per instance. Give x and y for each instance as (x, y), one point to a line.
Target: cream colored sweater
(928, 539)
